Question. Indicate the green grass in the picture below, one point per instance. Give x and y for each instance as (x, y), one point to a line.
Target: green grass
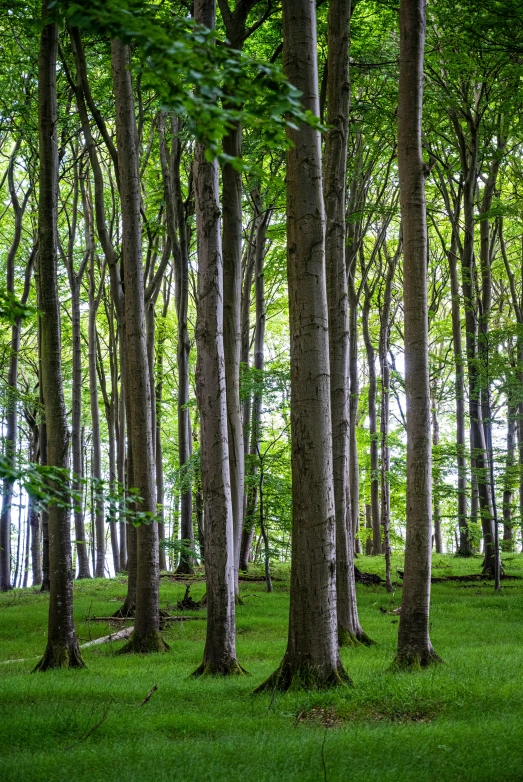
(459, 721)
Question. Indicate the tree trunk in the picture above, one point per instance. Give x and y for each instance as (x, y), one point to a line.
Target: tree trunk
(11, 422)
(508, 525)
(465, 546)
(312, 658)
(414, 646)
(96, 466)
(350, 631)
(146, 636)
(436, 477)
(373, 430)
(219, 655)
(62, 649)
(258, 365)
(354, 394)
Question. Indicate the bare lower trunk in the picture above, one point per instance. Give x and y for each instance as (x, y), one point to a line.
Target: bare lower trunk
(62, 649)
(146, 636)
(312, 658)
(96, 466)
(414, 646)
(354, 392)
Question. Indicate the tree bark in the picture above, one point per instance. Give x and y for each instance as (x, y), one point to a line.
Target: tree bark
(436, 476)
(146, 636)
(414, 646)
(508, 525)
(62, 649)
(350, 631)
(312, 657)
(373, 429)
(219, 655)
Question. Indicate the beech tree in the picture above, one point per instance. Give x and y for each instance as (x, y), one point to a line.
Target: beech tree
(312, 656)
(414, 646)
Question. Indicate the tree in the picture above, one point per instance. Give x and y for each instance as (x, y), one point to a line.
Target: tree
(219, 656)
(62, 649)
(414, 646)
(146, 636)
(312, 658)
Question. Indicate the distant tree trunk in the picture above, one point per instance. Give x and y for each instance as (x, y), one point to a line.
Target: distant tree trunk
(436, 476)
(350, 631)
(62, 649)
(219, 655)
(465, 546)
(177, 231)
(247, 529)
(312, 657)
(120, 472)
(373, 429)
(508, 526)
(96, 466)
(258, 366)
(385, 325)
(43, 462)
(414, 646)
(354, 393)
(368, 527)
(146, 636)
(11, 422)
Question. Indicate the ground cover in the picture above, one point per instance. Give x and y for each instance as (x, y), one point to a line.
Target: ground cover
(456, 722)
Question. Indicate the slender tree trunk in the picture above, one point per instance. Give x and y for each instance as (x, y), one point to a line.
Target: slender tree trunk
(312, 657)
(414, 646)
(248, 528)
(11, 422)
(350, 631)
(219, 655)
(354, 394)
(43, 462)
(373, 431)
(508, 525)
(436, 477)
(465, 547)
(62, 649)
(258, 366)
(146, 636)
(96, 466)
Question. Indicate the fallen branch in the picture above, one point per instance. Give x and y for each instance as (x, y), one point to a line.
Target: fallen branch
(148, 696)
(92, 730)
(121, 635)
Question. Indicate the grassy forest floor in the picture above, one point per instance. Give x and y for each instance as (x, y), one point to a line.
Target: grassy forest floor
(459, 721)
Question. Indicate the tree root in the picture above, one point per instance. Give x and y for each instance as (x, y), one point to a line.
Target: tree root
(350, 639)
(150, 643)
(304, 677)
(60, 656)
(232, 668)
(413, 660)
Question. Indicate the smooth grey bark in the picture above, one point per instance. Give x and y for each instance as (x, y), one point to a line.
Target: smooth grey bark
(146, 636)
(373, 424)
(96, 441)
(354, 393)
(436, 475)
(465, 546)
(385, 326)
(263, 219)
(414, 646)
(11, 412)
(62, 649)
(312, 657)
(350, 631)
(248, 529)
(219, 655)
(235, 27)
(177, 231)
(508, 491)
(75, 282)
(43, 459)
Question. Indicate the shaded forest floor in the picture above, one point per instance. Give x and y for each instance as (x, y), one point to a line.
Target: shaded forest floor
(459, 721)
